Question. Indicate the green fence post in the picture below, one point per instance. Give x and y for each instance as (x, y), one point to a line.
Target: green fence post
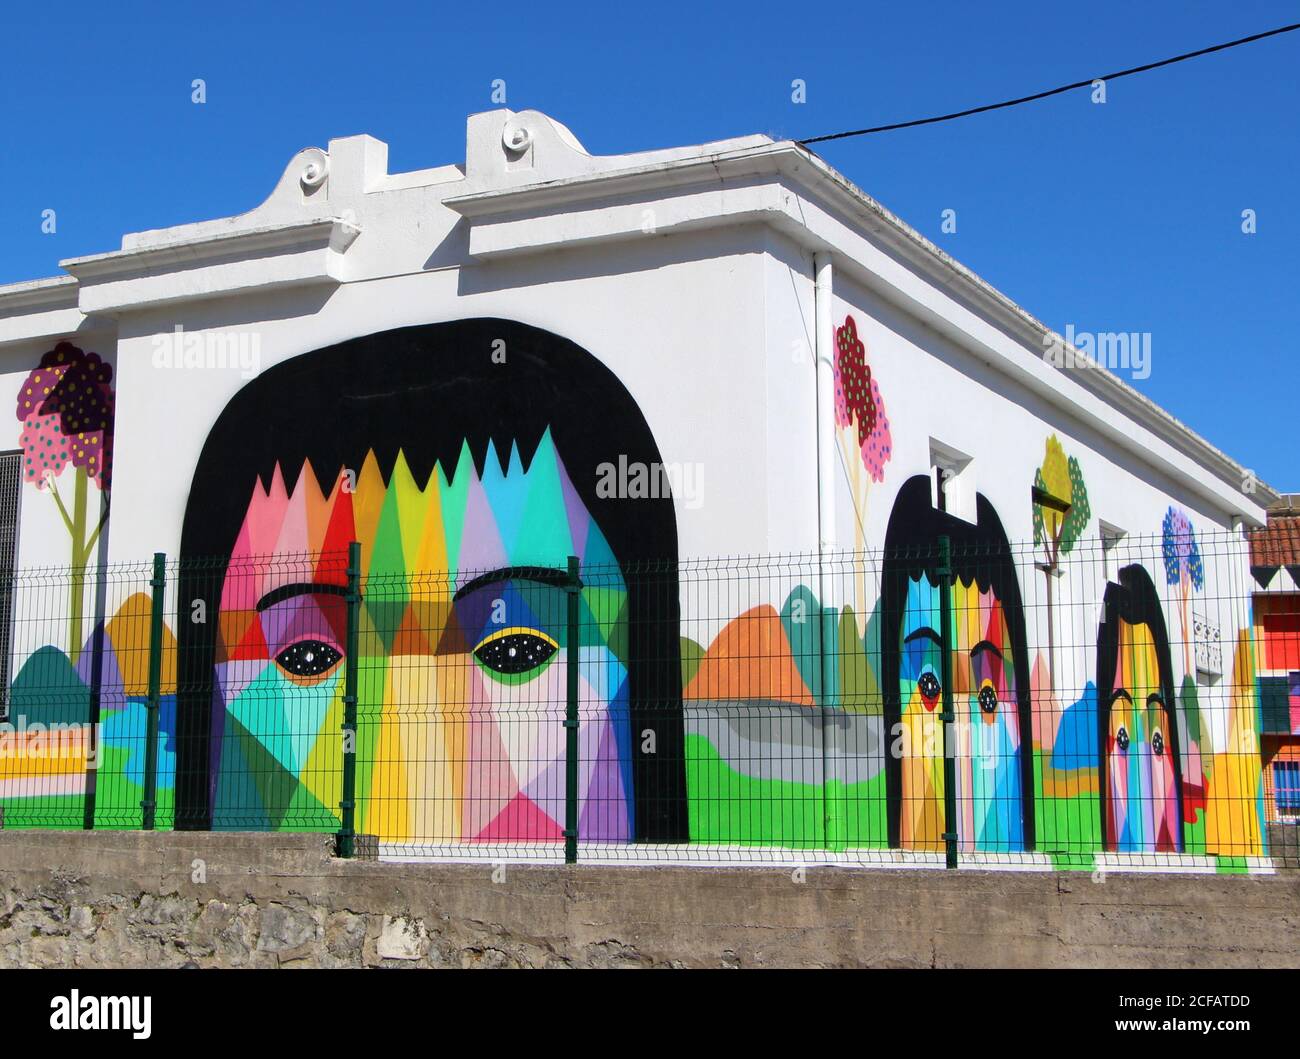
(948, 716)
(149, 804)
(572, 654)
(348, 832)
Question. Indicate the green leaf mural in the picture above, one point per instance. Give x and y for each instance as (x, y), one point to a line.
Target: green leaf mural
(1057, 528)
(1062, 478)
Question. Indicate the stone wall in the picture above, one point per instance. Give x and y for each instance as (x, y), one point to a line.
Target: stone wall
(88, 899)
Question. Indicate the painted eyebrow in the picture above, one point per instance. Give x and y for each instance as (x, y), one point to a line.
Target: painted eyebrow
(924, 633)
(300, 588)
(1156, 699)
(985, 645)
(546, 575)
(1121, 693)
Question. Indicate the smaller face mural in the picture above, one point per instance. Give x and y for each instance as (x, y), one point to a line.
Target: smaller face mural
(1140, 770)
(989, 672)
(1143, 812)
(987, 728)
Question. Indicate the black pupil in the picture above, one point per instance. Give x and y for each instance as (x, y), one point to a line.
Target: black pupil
(1122, 739)
(517, 653)
(307, 658)
(1158, 744)
(929, 685)
(988, 700)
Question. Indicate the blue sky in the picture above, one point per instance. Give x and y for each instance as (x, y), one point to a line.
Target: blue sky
(1117, 217)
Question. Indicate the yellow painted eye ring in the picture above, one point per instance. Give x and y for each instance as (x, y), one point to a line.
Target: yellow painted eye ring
(516, 630)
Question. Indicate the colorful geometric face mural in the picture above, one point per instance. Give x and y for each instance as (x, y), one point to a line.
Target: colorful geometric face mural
(1141, 779)
(990, 799)
(466, 685)
(989, 670)
(468, 482)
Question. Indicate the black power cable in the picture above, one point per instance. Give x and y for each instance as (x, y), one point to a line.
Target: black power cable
(1054, 91)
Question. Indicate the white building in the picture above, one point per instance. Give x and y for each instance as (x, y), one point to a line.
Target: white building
(726, 287)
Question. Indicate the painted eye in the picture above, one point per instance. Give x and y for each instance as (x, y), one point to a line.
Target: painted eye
(308, 658)
(988, 698)
(1157, 743)
(928, 686)
(512, 651)
(1121, 738)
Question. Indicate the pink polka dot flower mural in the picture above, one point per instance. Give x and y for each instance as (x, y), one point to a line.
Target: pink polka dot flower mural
(65, 407)
(862, 429)
(859, 407)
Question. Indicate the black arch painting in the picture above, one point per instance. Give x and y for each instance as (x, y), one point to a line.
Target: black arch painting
(1140, 779)
(430, 393)
(909, 671)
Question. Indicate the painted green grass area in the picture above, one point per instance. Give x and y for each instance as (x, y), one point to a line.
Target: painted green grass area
(1230, 866)
(726, 807)
(122, 818)
(117, 799)
(305, 813)
(1067, 828)
(1073, 861)
(55, 812)
(1194, 834)
(860, 809)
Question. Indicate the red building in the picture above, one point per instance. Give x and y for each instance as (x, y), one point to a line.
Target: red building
(1275, 566)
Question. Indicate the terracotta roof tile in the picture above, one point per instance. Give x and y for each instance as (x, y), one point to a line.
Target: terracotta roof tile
(1278, 543)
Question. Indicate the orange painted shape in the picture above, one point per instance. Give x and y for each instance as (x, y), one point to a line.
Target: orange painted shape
(750, 659)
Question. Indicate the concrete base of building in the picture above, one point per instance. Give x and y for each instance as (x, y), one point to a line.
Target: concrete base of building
(135, 899)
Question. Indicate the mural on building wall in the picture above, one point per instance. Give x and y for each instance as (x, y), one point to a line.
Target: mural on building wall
(65, 407)
(990, 675)
(58, 768)
(468, 683)
(1141, 778)
(1234, 789)
(468, 482)
(765, 766)
(1184, 571)
(1061, 514)
(862, 431)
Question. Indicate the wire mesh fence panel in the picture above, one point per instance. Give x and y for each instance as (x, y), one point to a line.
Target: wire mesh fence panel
(1105, 703)
(463, 702)
(260, 671)
(72, 741)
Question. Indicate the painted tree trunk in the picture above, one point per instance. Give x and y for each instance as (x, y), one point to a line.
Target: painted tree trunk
(84, 538)
(1049, 574)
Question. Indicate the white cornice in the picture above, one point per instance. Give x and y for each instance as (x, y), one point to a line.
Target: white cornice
(789, 188)
(39, 309)
(267, 257)
(54, 292)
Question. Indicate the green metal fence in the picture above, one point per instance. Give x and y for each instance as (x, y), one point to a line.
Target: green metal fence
(951, 704)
